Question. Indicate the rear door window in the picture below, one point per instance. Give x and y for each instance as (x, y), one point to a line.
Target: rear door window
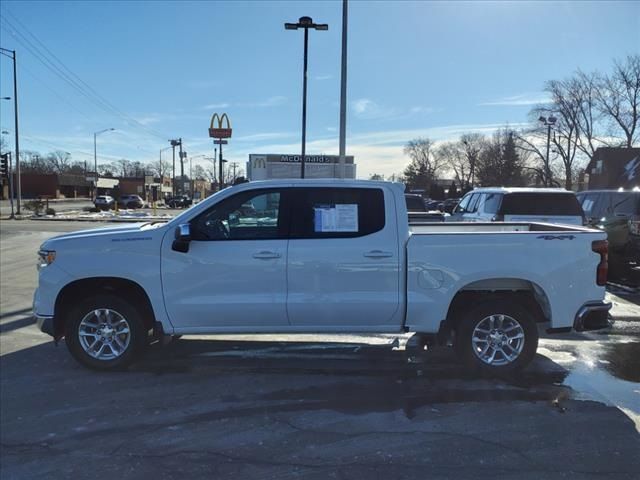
(532, 203)
(337, 212)
(492, 202)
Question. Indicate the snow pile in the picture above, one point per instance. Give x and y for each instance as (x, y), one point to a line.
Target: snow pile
(109, 215)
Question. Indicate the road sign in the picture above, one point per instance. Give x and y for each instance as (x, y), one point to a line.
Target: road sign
(220, 142)
(89, 178)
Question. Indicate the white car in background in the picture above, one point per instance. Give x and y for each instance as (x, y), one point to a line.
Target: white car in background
(104, 202)
(500, 204)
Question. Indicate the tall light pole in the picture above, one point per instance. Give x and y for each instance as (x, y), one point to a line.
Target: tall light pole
(343, 91)
(95, 157)
(174, 143)
(548, 122)
(305, 23)
(12, 55)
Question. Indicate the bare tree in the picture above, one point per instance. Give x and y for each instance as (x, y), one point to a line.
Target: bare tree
(59, 161)
(424, 166)
(618, 97)
(159, 168)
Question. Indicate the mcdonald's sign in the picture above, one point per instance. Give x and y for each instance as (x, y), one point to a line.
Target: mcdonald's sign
(220, 131)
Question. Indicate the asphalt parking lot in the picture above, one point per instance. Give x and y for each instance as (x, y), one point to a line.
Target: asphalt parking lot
(309, 406)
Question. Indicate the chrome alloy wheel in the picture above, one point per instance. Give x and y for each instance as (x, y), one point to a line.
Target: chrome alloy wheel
(498, 340)
(104, 334)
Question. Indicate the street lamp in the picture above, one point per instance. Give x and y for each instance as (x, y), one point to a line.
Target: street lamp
(548, 122)
(305, 23)
(95, 156)
(175, 143)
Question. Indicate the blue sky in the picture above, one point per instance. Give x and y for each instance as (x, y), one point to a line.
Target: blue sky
(415, 69)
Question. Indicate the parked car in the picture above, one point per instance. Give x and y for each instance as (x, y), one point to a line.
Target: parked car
(433, 205)
(131, 201)
(104, 202)
(497, 204)
(617, 213)
(320, 256)
(180, 201)
(449, 204)
(415, 203)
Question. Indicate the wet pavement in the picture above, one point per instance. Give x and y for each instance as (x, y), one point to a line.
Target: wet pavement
(343, 406)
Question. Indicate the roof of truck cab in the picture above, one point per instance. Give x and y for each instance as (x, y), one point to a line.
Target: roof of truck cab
(519, 190)
(324, 182)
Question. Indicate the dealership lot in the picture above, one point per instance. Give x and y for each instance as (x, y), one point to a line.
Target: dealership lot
(274, 407)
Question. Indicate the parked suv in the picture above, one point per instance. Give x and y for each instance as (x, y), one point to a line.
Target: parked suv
(618, 214)
(496, 204)
(104, 202)
(131, 201)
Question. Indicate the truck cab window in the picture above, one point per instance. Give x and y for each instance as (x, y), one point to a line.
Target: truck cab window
(337, 212)
(245, 216)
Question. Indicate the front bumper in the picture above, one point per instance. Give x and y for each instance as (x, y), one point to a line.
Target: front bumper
(593, 316)
(45, 324)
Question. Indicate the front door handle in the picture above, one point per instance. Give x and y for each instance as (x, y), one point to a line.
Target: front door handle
(266, 255)
(378, 254)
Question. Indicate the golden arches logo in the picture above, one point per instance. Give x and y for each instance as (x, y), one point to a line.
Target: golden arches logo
(259, 162)
(220, 131)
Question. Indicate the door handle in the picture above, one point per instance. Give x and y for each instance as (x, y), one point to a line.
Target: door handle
(378, 254)
(265, 255)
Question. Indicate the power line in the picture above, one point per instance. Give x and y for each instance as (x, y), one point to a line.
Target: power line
(63, 72)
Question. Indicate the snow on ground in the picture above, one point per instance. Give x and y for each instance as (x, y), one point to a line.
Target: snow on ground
(108, 215)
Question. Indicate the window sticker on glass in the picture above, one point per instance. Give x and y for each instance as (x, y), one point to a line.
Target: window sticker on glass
(336, 218)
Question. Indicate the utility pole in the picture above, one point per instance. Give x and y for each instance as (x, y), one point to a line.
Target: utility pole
(221, 182)
(6, 53)
(181, 168)
(343, 91)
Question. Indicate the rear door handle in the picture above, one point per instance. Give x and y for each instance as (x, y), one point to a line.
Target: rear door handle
(378, 254)
(266, 255)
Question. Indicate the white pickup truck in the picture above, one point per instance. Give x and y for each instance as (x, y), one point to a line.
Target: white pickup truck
(300, 256)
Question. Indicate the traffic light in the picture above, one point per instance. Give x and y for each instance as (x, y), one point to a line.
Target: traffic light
(4, 165)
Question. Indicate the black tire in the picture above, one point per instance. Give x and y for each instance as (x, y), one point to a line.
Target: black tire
(137, 331)
(483, 311)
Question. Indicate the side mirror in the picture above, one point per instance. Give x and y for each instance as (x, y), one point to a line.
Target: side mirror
(182, 238)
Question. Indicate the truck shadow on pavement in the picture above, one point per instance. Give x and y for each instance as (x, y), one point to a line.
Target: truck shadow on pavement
(218, 408)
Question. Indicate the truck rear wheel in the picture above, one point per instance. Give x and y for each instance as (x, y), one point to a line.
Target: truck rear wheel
(496, 337)
(104, 332)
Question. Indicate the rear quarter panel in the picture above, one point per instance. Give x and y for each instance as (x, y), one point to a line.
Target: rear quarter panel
(562, 264)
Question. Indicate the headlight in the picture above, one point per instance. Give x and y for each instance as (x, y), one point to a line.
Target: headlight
(45, 257)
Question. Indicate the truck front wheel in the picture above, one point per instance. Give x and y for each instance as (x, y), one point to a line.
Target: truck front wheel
(104, 332)
(497, 336)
